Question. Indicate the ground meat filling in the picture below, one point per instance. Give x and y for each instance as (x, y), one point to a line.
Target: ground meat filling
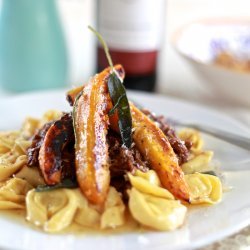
(123, 159)
(181, 148)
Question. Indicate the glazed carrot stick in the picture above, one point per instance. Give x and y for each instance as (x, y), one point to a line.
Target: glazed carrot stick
(73, 93)
(156, 149)
(91, 122)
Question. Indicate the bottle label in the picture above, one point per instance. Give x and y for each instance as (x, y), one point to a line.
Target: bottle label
(132, 25)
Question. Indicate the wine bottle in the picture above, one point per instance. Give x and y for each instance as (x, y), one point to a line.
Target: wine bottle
(133, 30)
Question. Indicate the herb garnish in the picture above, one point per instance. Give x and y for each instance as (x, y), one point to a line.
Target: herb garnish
(118, 96)
(66, 183)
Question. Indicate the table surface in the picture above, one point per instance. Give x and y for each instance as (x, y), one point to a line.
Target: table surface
(170, 81)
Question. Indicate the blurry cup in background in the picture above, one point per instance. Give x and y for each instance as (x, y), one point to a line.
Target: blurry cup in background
(32, 48)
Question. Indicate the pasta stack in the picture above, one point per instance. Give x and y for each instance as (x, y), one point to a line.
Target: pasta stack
(150, 180)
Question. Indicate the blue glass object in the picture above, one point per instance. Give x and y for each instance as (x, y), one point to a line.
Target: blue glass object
(32, 47)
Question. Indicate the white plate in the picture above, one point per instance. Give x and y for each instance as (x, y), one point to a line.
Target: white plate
(203, 225)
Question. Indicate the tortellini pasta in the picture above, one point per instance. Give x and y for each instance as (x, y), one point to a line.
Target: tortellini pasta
(155, 212)
(50, 115)
(113, 215)
(86, 215)
(31, 175)
(198, 163)
(194, 136)
(52, 210)
(199, 160)
(13, 145)
(30, 125)
(12, 153)
(10, 164)
(153, 206)
(13, 192)
(150, 176)
(56, 210)
(7, 141)
(149, 183)
(204, 188)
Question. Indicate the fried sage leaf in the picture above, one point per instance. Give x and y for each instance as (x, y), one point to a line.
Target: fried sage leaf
(120, 103)
(67, 183)
(119, 98)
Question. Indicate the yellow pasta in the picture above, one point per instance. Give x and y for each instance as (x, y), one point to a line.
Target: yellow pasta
(50, 115)
(150, 176)
(57, 209)
(21, 146)
(198, 163)
(151, 205)
(10, 164)
(31, 175)
(194, 136)
(64, 217)
(12, 153)
(155, 212)
(86, 215)
(52, 210)
(7, 141)
(13, 147)
(204, 188)
(149, 185)
(29, 127)
(12, 194)
(113, 215)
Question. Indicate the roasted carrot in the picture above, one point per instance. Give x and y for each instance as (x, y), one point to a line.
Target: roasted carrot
(91, 121)
(73, 93)
(155, 148)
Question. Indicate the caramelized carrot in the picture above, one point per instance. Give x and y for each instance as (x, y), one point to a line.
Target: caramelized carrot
(73, 93)
(91, 124)
(156, 149)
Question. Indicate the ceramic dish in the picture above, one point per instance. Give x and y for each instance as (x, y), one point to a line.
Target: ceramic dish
(202, 42)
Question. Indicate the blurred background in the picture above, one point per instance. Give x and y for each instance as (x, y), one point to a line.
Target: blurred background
(69, 50)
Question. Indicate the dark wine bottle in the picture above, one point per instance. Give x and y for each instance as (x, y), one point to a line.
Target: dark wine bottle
(133, 31)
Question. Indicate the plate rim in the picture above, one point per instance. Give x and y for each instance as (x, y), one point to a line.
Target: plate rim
(196, 105)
